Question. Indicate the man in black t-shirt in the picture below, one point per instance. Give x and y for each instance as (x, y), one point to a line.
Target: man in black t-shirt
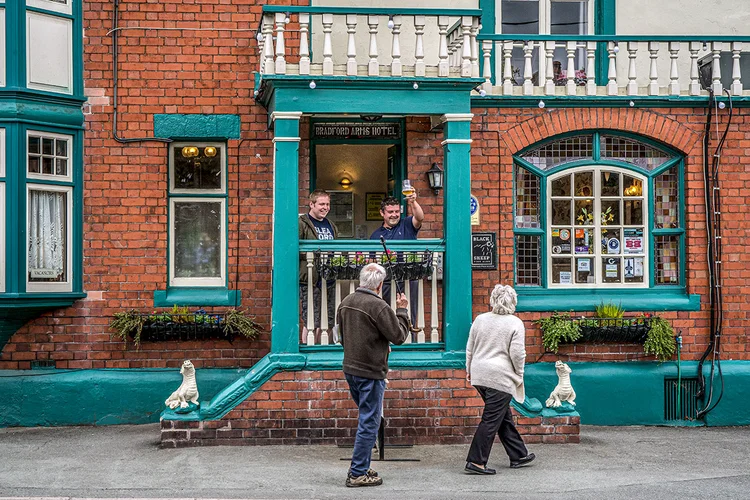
(315, 226)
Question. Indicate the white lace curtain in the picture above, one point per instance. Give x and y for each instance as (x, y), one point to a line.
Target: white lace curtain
(47, 235)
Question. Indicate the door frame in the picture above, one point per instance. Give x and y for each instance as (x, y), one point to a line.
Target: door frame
(402, 168)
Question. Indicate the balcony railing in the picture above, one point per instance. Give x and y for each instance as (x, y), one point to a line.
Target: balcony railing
(412, 262)
(377, 42)
(549, 65)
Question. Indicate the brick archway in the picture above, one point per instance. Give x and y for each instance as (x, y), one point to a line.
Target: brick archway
(639, 121)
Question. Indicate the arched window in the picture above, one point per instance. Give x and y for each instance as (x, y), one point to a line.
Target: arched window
(599, 213)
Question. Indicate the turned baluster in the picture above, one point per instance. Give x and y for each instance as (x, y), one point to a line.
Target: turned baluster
(674, 75)
(612, 70)
(304, 43)
(280, 46)
(590, 68)
(632, 88)
(396, 68)
(373, 67)
(653, 72)
(443, 65)
(419, 66)
(695, 85)
(570, 86)
(270, 67)
(351, 46)
(736, 88)
(549, 69)
(327, 20)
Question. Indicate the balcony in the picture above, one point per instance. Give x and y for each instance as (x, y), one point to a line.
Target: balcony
(418, 262)
(423, 46)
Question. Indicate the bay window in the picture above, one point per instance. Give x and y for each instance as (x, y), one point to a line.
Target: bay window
(598, 212)
(49, 211)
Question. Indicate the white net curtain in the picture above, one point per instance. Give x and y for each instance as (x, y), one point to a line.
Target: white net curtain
(47, 215)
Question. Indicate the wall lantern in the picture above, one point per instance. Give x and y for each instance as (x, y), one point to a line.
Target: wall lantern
(435, 178)
(210, 151)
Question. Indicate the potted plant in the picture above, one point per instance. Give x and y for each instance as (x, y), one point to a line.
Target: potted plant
(180, 324)
(655, 333)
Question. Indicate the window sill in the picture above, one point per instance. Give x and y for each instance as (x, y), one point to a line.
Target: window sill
(541, 300)
(204, 297)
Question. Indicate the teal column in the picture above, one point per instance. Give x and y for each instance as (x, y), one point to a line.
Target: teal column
(457, 227)
(285, 280)
(605, 23)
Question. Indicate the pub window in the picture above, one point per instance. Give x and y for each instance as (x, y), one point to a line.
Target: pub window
(581, 213)
(197, 215)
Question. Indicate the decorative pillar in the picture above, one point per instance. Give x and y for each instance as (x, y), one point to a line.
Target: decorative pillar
(285, 273)
(457, 313)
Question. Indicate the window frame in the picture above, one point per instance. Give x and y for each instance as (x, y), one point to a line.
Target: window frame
(3, 210)
(677, 161)
(49, 177)
(197, 196)
(63, 286)
(597, 226)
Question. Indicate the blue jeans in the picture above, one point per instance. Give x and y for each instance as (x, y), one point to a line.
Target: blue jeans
(368, 395)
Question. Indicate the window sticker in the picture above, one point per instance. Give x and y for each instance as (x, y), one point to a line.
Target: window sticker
(633, 239)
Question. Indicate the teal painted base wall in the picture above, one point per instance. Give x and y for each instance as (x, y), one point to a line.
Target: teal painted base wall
(96, 397)
(607, 393)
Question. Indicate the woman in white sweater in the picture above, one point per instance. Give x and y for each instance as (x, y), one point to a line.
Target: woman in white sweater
(495, 356)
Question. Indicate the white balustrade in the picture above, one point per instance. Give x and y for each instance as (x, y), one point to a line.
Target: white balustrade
(445, 46)
(317, 298)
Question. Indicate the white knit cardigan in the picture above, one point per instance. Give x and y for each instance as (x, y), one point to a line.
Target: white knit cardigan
(496, 353)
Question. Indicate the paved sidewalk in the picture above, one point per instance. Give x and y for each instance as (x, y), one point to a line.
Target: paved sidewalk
(610, 463)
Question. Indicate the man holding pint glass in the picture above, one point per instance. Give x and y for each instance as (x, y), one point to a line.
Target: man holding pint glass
(396, 228)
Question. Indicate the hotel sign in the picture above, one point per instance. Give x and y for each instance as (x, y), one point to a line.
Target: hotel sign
(342, 130)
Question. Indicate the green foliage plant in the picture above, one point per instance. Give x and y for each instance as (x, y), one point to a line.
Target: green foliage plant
(556, 329)
(660, 339)
(130, 323)
(609, 310)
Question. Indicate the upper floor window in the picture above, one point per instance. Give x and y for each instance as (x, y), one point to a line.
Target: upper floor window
(63, 6)
(197, 214)
(48, 156)
(582, 214)
(546, 17)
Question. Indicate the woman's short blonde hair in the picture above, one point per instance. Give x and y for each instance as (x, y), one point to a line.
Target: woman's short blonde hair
(503, 299)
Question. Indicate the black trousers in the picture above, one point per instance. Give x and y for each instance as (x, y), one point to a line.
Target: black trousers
(496, 419)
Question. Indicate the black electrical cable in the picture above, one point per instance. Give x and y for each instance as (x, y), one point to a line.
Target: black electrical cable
(115, 16)
(712, 194)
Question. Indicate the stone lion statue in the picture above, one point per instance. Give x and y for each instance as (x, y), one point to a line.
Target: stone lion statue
(188, 390)
(563, 391)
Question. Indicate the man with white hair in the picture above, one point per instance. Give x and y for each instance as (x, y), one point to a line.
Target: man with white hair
(366, 325)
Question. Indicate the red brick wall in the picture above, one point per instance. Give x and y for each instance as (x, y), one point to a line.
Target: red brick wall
(498, 134)
(125, 207)
(421, 407)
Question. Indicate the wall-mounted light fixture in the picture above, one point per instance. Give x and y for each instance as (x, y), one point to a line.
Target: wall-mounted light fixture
(435, 178)
(345, 181)
(189, 151)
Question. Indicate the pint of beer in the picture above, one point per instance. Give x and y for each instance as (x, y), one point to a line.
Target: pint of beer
(406, 188)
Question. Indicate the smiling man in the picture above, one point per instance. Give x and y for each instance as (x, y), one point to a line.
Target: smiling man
(396, 228)
(314, 225)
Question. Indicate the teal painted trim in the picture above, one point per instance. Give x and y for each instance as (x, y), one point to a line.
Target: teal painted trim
(457, 312)
(47, 12)
(614, 38)
(372, 11)
(179, 126)
(15, 44)
(434, 245)
(497, 101)
(380, 101)
(20, 108)
(285, 273)
(658, 298)
(132, 396)
(428, 346)
(77, 216)
(489, 26)
(605, 23)
(208, 297)
(101, 397)
(242, 388)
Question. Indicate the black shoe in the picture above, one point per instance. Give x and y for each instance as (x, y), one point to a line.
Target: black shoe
(515, 464)
(475, 469)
